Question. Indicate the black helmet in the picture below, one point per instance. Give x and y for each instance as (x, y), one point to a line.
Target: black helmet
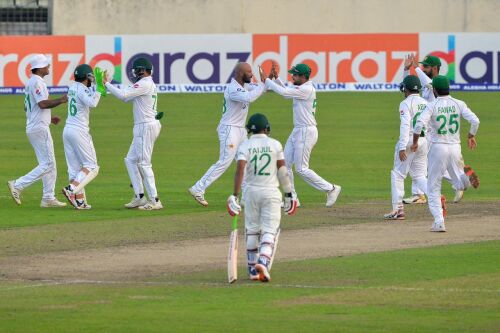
(142, 63)
(82, 72)
(257, 123)
(410, 83)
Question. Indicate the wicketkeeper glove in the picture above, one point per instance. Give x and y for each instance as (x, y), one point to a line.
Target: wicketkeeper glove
(290, 204)
(99, 86)
(233, 206)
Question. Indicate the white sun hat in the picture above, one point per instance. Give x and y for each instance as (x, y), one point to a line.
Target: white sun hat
(39, 61)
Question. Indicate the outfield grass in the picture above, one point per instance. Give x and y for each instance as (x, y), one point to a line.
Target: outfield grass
(442, 289)
(358, 132)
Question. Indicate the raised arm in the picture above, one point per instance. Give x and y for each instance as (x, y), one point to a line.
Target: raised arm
(287, 92)
(128, 93)
(241, 95)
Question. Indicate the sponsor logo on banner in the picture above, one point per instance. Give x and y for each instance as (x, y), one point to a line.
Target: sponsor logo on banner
(110, 61)
(65, 52)
(338, 58)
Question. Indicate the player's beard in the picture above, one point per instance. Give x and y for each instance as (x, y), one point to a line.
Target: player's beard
(247, 79)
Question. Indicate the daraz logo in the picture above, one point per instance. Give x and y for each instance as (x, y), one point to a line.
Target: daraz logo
(115, 59)
(449, 57)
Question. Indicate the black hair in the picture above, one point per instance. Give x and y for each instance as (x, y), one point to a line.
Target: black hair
(443, 92)
(33, 71)
(413, 91)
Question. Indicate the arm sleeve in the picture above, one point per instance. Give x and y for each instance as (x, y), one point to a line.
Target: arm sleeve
(404, 127)
(89, 99)
(424, 79)
(423, 120)
(288, 92)
(241, 155)
(280, 154)
(241, 95)
(406, 73)
(128, 93)
(279, 82)
(471, 117)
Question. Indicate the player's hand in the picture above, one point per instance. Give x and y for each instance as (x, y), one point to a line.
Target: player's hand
(262, 74)
(414, 147)
(402, 155)
(233, 206)
(408, 61)
(471, 141)
(273, 74)
(414, 59)
(55, 120)
(105, 78)
(290, 204)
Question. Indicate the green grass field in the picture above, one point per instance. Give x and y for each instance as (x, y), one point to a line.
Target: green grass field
(452, 288)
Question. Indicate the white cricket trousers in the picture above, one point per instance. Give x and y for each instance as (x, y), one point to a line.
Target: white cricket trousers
(138, 160)
(444, 157)
(79, 150)
(262, 209)
(415, 165)
(298, 150)
(230, 138)
(43, 145)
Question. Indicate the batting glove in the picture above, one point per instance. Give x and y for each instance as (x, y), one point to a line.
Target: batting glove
(233, 206)
(290, 204)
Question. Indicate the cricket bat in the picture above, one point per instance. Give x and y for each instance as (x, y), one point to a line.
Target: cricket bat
(232, 257)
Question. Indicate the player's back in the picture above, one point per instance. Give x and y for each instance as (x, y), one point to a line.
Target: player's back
(415, 106)
(78, 110)
(145, 105)
(36, 91)
(261, 153)
(446, 112)
(304, 109)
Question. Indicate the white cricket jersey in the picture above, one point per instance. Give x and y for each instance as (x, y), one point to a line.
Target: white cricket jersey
(409, 111)
(443, 116)
(304, 101)
(36, 91)
(261, 153)
(143, 95)
(80, 100)
(237, 100)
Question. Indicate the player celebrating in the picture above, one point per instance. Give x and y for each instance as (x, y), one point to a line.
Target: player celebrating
(404, 159)
(443, 115)
(429, 69)
(143, 95)
(304, 136)
(78, 146)
(231, 128)
(38, 117)
(261, 159)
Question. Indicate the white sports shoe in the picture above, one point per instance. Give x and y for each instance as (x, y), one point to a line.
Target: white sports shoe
(415, 199)
(54, 203)
(136, 202)
(264, 275)
(152, 206)
(395, 215)
(438, 227)
(458, 196)
(16, 194)
(70, 195)
(332, 195)
(199, 197)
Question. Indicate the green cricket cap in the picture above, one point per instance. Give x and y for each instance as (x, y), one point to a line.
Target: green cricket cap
(431, 61)
(300, 69)
(411, 82)
(441, 82)
(82, 71)
(258, 122)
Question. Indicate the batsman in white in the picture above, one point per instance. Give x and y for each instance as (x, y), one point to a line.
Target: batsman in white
(231, 128)
(443, 116)
(429, 69)
(405, 160)
(261, 159)
(78, 145)
(143, 95)
(304, 136)
(38, 118)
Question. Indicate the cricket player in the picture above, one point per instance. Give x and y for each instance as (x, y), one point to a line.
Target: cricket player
(261, 159)
(231, 129)
(443, 116)
(304, 136)
(38, 117)
(143, 95)
(78, 145)
(429, 69)
(405, 160)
